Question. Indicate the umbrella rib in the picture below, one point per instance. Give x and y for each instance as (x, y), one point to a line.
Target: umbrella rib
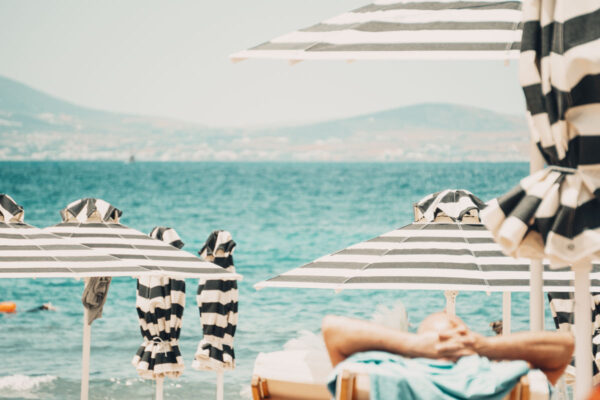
(474, 257)
(368, 265)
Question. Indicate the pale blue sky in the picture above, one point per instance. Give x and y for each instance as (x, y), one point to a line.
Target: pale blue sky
(170, 58)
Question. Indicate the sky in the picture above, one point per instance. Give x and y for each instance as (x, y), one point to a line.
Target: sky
(170, 59)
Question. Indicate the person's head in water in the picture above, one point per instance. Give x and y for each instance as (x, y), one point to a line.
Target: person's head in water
(442, 322)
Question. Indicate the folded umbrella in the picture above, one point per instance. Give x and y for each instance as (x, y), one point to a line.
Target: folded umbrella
(160, 304)
(218, 306)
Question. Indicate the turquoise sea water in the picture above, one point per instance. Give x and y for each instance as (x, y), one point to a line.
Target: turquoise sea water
(281, 215)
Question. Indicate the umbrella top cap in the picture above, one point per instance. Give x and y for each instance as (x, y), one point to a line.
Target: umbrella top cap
(10, 211)
(168, 235)
(90, 210)
(449, 206)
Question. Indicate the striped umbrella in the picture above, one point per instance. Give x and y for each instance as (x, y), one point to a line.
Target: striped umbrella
(401, 29)
(218, 306)
(555, 213)
(155, 256)
(29, 252)
(562, 307)
(160, 302)
(440, 252)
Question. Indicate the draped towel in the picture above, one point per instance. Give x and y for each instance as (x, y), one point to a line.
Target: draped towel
(160, 304)
(218, 306)
(90, 210)
(555, 213)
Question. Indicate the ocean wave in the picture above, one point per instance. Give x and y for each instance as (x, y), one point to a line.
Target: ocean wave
(23, 383)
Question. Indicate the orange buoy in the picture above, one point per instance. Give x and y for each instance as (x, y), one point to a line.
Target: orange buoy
(8, 307)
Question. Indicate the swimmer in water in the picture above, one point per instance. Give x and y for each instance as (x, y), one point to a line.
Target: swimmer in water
(44, 307)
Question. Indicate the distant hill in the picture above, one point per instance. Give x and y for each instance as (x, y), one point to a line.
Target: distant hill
(34, 125)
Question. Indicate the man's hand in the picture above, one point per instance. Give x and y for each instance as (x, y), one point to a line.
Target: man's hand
(456, 343)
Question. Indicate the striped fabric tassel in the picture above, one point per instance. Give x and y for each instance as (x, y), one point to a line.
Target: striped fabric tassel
(562, 307)
(160, 304)
(218, 306)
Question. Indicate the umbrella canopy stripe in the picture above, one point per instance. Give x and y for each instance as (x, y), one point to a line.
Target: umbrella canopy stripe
(29, 252)
(404, 30)
(128, 244)
(430, 256)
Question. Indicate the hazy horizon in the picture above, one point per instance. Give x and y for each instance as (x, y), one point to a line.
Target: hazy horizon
(171, 60)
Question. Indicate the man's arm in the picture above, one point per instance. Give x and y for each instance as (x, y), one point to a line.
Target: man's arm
(550, 352)
(346, 336)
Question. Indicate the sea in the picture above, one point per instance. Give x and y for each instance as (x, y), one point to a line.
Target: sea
(281, 215)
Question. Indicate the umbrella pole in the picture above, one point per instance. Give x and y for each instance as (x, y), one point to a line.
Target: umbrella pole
(536, 297)
(506, 312)
(536, 293)
(159, 388)
(220, 385)
(451, 301)
(85, 355)
(583, 330)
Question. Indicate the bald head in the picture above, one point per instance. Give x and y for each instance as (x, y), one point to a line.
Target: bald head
(441, 322)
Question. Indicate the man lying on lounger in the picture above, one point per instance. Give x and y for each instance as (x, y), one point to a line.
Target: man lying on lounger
(444, 359)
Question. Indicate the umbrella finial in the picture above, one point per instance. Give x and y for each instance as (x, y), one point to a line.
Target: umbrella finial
(90, 210)
(449, 206)
(168, 235)
(10, 211)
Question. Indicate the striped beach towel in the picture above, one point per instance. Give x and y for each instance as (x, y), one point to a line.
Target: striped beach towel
(555, 213)
(160, 304)
(218, 306)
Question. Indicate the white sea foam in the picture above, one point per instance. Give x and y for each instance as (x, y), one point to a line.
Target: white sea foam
(23, 383)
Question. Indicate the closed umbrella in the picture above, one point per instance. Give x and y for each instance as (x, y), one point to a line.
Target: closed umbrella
(562, 307)
(156, 257)
(218, 306)
(160, 303)
(555, 213)
(392, 29)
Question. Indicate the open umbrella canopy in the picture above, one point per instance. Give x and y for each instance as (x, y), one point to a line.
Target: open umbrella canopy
(30, 252)
(413, 29)
(155, 256)
(426, 255)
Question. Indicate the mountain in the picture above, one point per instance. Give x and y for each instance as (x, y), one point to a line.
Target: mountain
(34, 125)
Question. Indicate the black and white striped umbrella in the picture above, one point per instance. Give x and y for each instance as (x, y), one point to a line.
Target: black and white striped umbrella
(29, 252)
(427, 256)
(555, 213)
(401, 29)
(154, 256)
(160, 303)
(562, 306)
(218, 306)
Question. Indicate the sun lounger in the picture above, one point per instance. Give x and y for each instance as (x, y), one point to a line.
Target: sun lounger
(302, 375)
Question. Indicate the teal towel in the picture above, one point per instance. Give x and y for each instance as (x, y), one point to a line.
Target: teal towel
(473, 377)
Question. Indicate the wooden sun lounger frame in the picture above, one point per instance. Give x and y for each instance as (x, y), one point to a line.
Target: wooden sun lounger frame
(351, 386)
